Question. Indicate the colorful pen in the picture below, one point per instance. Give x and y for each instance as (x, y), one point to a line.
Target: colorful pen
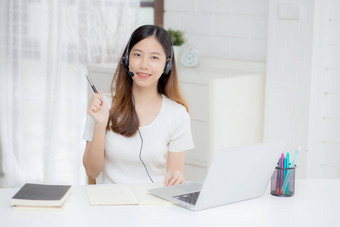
(285, 183)
(284, 168)
(278, 178)
(287, 166)
(282, 172)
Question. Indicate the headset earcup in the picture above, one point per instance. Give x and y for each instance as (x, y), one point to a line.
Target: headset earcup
(168, 67)
(125, 59)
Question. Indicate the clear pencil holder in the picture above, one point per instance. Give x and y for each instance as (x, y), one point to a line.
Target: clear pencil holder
(283, 182)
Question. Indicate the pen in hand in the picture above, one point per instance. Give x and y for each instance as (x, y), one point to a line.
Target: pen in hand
(92, 86)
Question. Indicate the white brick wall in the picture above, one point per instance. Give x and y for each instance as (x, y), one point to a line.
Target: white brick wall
(324, 151)
(303, 84)
(231, 29)
(288, 79)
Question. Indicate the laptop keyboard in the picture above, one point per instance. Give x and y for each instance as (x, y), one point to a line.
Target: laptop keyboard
(189, 198)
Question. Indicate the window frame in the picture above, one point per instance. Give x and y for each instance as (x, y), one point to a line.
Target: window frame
(158, 6)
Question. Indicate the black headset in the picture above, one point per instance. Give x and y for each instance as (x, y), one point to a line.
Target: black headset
(125, 59)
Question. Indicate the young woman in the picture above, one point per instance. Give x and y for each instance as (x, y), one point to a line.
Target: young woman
(140, 134)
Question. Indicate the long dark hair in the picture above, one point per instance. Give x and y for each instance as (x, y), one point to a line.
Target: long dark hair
(123, 118)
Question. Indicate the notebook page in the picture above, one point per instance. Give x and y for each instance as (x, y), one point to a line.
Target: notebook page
(110, 194)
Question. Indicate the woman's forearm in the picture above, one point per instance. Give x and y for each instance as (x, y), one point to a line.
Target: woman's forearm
(94, 153)
(174, 171)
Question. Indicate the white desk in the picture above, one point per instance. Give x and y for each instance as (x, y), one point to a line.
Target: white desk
(316, 203)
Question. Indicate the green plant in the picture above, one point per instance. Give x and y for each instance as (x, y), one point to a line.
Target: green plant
(177, 37)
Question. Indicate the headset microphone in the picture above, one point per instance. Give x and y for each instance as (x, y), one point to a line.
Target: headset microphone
(130, 73)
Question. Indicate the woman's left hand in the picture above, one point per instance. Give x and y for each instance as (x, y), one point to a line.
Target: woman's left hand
(173, 177)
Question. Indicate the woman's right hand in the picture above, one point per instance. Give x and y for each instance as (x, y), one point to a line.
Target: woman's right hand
(98, 109)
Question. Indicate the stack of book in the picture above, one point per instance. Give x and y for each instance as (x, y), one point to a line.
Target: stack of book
(41, 196)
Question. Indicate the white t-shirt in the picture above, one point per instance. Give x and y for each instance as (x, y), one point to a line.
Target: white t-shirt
(170, 131)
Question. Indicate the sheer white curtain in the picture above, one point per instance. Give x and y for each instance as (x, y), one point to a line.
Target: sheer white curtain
(44, 49)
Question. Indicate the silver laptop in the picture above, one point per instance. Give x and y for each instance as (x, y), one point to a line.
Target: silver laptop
(236, 174)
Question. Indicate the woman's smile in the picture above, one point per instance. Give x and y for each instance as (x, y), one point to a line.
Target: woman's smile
(143, 75)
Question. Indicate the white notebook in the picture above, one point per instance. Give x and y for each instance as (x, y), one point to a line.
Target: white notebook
(117, 194)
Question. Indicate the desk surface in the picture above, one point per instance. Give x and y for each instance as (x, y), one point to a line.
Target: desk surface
(315, 203)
